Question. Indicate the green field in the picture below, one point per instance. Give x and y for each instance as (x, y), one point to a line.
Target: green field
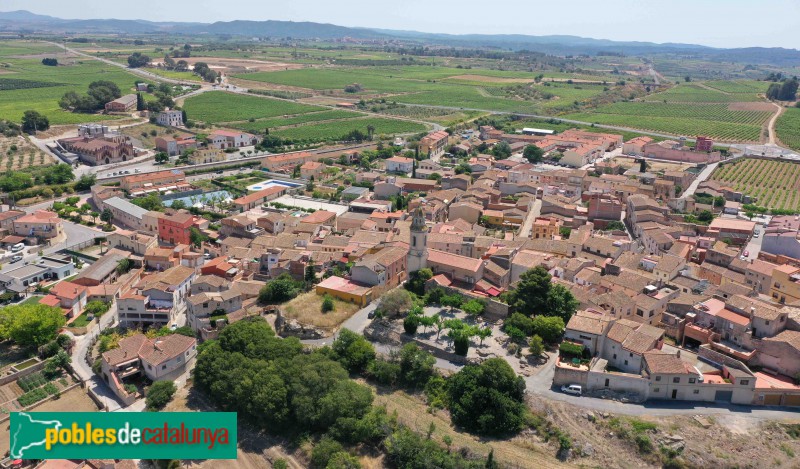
(52, 83)
(775, 184)
(175, 75)
(220, 106)
(260, 124)
(788, 128)
(714, 120)
(337, 129)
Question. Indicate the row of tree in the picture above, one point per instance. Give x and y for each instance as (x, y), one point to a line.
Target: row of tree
(99, 93)
(785, 91)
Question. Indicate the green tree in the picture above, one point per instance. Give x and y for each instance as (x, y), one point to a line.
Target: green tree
(149, 202)
(140, 104)
(416, 281)
(106, 215)
(536, 346)
(533, 154)
(395, 302)
(30, 325)
(159, 394)
(353, 351)
(85, 182)
(705, 216)
(327, 304)
(279, 290)
(474, 307)
(97, 307)
(33, 122)
(196, 237)
(310, 274)
(137, 59)
(416, 365)
(410, 324)
(549, 328)
(124, 266)
(487, 399)
(502, 150)
(615, 226)
(530, 296)
(561, 302)
(484, 333)
(452, 301)
(426, 322)
(324, 450)
(161, 157)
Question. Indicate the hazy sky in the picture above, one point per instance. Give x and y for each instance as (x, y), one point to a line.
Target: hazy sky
(721, 23)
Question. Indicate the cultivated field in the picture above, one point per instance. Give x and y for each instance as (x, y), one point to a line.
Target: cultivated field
(337, 129)
(19, 153)
(788, 128)
(721, 121)
(292, 120)
(218, 106)
(776, 184)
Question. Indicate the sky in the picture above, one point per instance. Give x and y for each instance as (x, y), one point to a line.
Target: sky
(717, 23)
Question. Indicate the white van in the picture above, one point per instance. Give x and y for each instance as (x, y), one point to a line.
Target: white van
(17, 247)
(573, 389)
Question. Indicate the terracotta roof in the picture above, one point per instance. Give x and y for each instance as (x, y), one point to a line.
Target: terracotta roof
(589, 322)
(659, 362)
(451, 260)
(146, 177)
(733, 317)
(161, 349)
(638, 342)
(68, 290)
(255, 196)
(39, 216)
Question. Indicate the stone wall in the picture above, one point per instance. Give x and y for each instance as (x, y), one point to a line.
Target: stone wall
(22, 373)
(566, 375)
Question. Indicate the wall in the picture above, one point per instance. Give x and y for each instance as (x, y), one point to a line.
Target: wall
(15, 376)
(618, 382)
(566, 375)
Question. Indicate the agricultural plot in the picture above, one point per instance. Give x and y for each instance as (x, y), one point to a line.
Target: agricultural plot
(18, 153)
(702, 93)
(337, 129)
(720, 121)
(259, 125)
(775, 184)
(219, 106)
(31, 85)
(788, 128)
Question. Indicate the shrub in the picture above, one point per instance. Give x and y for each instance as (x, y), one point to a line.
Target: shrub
(410, 324)
(570, 348)
(384, 371)
(159, 394)
(327, 304)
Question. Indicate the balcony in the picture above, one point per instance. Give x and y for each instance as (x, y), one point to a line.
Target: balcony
(733, 350)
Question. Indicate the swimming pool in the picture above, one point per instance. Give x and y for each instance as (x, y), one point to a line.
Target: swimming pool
(271, 183)
(201, 199)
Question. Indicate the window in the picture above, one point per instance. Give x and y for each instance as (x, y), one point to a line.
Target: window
(696, 391)
(658, 378)
(163, 367)
(766, 322)
(744, 382)
(692, 380)
(626, 362)
(615, 356)
(656, 389)
(676, 380)
(149, 367)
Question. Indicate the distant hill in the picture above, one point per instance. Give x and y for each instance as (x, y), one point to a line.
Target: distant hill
(26, 21)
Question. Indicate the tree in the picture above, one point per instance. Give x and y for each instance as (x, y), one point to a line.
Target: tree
(416, 365)
(279, 290)
(395, 302)
(615, 226)
(410, 324)
(140, 104)
(487, 399)
(137, 59)
(327, 304)
(416, 281)
(353, 351)
(85, 182)
(196, 237)
(474, 307)
(426, 322)
(530, 296)
(149, 202)
(161, 157)
(452, 301)
(536, 346)
(310, 274)
(549, 328)
(124, 266)
(30, 325)
(705, 216)
(560, 302)
(106, 215)
(484, 333)
(50, 62)
(33, 122)
(502, 150)
(159, 394)
(97, 307)
(533, 154)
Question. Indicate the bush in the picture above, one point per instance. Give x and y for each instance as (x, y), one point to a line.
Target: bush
(327, 304)
(644, 443)
(353, 351)
(384, 371)
(570, 348)
(323, 451)
(461, 345)
(159, 394)
(410, 324)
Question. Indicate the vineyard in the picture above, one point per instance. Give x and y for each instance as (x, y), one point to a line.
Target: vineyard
(259, 125)
(721, 121)
(17, 84)
(18, 153)
(219, 106)
(788, 128)
(709, 92)
(775, 184)
(336, 129)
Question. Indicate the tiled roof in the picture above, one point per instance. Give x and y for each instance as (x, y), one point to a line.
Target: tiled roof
(451, 260)
(589, 322)
(659, 362)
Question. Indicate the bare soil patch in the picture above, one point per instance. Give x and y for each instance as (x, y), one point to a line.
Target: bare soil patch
(485, 79)
(752, 106)
(307, 309)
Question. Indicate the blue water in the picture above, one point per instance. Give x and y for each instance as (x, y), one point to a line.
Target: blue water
(271, 183)
(203, 198)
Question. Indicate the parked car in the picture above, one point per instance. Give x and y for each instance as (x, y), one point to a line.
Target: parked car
(574, 389)
(747, 254)
(136, 170)
(371, 314)
(173, 326)
(756, 235)
(207, 255)
(16, 258)
(17, 247)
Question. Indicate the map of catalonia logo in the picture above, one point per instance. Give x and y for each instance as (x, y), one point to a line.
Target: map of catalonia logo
(123, 435)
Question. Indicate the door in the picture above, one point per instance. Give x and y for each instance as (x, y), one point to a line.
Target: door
(723, 396)
(674, 393)
(606, 382)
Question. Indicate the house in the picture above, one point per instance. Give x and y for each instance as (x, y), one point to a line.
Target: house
(387, 268)
(604, 207)
(588, 328)
(675, 151)
(103, 270)
(135, 182)
(71, 297)
(7, 219)
(205, 309)
(170, 118)
(737, 231)
(122, 104)
(785, 286)
(100, 150)
(354, 192)
(52, 267)
(434, 144)
(159, 358)
(635, 146)
(240, 226)
(39, 224)
(399, 164)
(546, 228)
(345, 290)
(125, 213)
(175, 229)
(467, 211)
(206, 155)
(223, 139)
(157, 298)
(256, 199)
(312, 169)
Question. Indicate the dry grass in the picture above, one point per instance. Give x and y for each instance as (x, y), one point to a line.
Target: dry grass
(18, 153)
(149, 141)
(307, 309)
(519, 451)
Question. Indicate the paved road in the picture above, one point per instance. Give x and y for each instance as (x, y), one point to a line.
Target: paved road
(527, 226)
(74, 234)
(704, 174)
